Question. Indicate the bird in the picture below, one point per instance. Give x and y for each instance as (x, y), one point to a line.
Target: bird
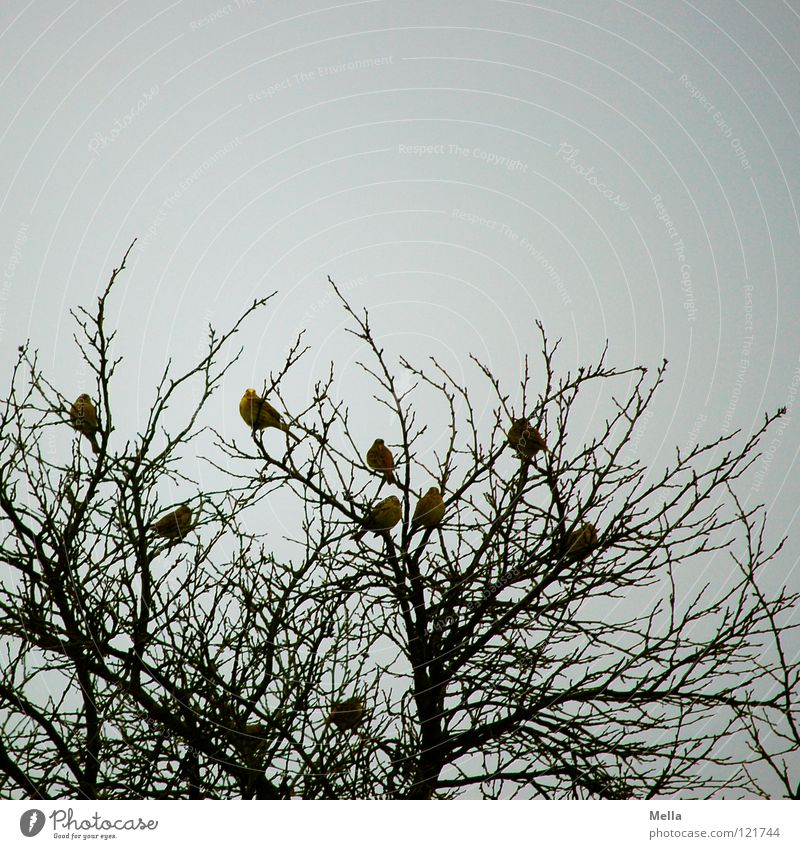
(380, 458)
(175, 524)
(429, 511)
(347, 715)
(382, 517)
(83, 417)
(580, 541)
(525, 438)
(258, 413)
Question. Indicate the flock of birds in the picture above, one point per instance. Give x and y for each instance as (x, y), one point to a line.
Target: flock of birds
(429, 512)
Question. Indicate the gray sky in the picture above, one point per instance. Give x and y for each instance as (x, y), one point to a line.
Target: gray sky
(615, 170)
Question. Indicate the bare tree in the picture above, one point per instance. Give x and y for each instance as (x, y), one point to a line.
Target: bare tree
(559, 634)
(137, 664)
(773, 729)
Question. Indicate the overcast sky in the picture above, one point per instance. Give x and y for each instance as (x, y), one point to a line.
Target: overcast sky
(620, 171)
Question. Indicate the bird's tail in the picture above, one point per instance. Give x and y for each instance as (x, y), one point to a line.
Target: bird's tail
(92, 436)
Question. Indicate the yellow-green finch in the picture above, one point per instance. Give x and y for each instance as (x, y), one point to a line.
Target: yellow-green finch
(258, 413)
(382, 517)
(525, 438)
(429, 511)
(380, 458)
(581, 541)
(348, 714)
(83, 417)
(175, 524)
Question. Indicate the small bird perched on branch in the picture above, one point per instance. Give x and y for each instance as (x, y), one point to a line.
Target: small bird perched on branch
(258, 413)
(429, 511)
(347, 715)
(525, 438)
(83, 417)
(175, 524)
(380, 458)
(581, 541)
(382, 517)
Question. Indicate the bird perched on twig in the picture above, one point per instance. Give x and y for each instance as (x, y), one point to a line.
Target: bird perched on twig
(382, 517)
(347, 715)
(175, 524)
(580, 542)
(429, 511)
(83, 417)
(380, 458)
(258, 413)
(525, 438)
